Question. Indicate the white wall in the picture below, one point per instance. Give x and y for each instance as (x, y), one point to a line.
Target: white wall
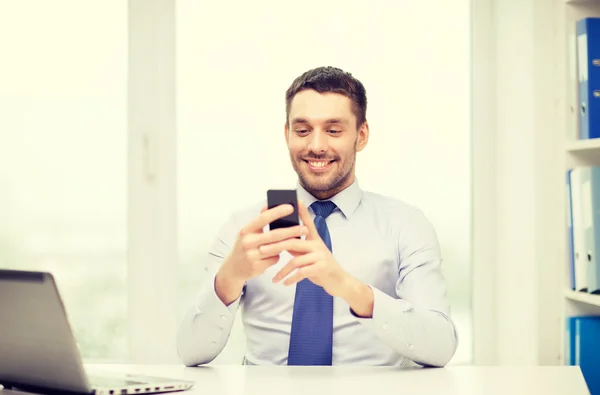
(518, 180)
(233, 70)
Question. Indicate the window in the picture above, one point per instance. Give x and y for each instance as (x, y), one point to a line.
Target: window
(76, 197)
(63, 158)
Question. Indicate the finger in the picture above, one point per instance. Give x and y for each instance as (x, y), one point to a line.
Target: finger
(265, 207)
(280, 234)
(291, 245)
(256, 258)
(301, 274)
(268, 262)
(307, 220)
(253, 255)
(268, 216)
(255, 240)
(298, 262)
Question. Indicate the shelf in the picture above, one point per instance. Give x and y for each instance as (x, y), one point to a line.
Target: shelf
(584, 146)
(582, 1)
(584, 152)
(583, 297)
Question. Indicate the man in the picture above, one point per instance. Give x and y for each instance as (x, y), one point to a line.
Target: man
(361, 285)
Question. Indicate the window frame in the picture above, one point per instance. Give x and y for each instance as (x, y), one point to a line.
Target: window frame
(152, 185)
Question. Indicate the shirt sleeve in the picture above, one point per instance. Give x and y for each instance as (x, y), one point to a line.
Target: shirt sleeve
(207, 324)
(416, 322)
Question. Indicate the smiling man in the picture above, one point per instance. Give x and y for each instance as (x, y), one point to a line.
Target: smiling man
(363, 282)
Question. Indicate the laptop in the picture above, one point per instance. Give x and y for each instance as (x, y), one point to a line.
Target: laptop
(38, 352)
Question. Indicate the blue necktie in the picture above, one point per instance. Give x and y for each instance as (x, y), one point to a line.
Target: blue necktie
(312, 321)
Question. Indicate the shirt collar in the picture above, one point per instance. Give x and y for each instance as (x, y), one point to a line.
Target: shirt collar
(347, 200)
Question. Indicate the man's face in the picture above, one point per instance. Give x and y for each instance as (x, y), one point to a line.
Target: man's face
(323, 140)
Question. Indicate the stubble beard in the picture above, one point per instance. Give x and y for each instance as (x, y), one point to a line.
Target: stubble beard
(320, 190)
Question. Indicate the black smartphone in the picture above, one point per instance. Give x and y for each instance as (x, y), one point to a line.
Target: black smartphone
(276, 197)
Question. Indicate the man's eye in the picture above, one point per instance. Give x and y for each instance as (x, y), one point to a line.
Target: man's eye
(334, 131)
(302, 131)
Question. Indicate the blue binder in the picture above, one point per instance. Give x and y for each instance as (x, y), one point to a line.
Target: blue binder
(590, 202)
(570, 247)
(588, 75)
(569, 358)
(583, 348)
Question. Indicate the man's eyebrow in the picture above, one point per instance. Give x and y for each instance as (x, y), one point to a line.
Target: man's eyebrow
(299, 120)
(336, 121)
(328, 121)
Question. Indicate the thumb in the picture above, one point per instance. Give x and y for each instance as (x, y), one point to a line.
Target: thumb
(308, 222)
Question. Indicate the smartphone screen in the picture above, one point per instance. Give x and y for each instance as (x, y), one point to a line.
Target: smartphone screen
(276, 197)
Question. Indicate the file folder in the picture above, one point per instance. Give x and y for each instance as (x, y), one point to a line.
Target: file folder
(569, 357)
(579, 246)
(588, 75)
(584, 348)
(570, 250)
(590, 195)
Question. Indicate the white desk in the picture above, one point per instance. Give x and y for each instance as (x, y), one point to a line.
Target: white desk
(463, 380)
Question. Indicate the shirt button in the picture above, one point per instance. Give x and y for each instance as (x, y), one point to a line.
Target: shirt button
(385, 327)
(213, 343)
(223, 317)
(411, 346)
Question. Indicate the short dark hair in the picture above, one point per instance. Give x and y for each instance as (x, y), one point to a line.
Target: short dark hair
(331, 79)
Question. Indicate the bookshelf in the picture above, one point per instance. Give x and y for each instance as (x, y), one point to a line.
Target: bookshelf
(583, 152)
(575, 152)
(589, 148)
(581, 297)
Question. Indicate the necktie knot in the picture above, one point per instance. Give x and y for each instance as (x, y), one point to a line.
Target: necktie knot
(323, 208)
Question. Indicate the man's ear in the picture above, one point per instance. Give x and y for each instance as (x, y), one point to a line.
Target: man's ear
(363, 137)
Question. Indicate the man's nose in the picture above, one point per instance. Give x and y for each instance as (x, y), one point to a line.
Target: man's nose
(318, 142)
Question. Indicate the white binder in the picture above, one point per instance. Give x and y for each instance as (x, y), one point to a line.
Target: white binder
(579, 246)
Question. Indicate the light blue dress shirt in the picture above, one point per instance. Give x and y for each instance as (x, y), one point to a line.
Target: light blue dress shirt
(384, 242)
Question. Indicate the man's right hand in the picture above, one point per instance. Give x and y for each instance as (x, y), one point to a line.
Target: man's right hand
(245, 260)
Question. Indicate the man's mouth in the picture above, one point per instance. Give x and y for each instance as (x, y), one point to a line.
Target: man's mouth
(319, 165)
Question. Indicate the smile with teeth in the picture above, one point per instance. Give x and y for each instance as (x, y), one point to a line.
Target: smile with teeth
(318, 164)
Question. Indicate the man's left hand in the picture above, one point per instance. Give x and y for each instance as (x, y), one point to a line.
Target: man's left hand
(312, 260)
